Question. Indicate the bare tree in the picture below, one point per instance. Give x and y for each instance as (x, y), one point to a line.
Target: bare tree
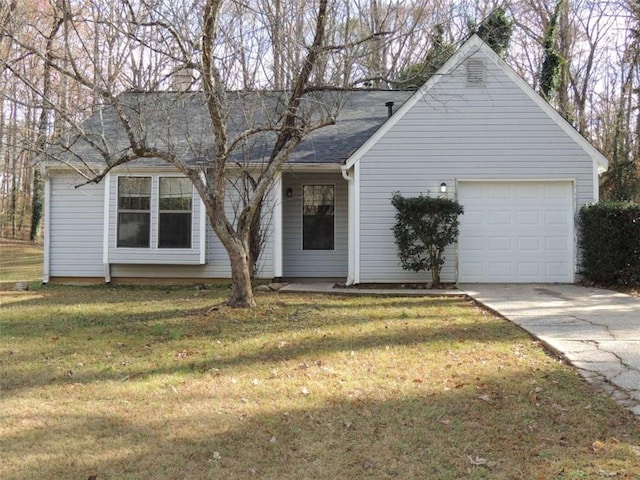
(296, 113)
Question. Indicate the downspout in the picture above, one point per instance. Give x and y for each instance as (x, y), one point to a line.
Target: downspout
(351, 225)
(203, 224)
(105, 229)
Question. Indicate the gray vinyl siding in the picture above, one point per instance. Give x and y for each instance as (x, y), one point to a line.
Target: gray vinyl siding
(77, 237)
(76, 226)
(297, 262)
(455, 132)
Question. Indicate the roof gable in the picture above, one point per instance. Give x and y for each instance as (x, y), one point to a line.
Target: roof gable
(473, 45)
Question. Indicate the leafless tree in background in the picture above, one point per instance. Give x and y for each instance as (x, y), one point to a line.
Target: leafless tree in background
(61, 60)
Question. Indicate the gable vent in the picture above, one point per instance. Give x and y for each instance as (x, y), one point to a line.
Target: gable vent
(476, 74)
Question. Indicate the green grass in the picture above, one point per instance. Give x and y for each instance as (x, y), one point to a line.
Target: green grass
(19, 261)
(151, 383)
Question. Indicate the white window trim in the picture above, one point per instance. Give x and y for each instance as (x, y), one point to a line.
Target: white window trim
(155, 216)
(117, 212)
(157, 231)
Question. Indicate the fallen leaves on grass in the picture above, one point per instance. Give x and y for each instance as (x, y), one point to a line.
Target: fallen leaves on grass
(478, 461)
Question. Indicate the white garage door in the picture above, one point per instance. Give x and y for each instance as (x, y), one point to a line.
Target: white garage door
(516, 232)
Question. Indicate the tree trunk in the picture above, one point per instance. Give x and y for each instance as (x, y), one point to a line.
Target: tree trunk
(37, 204)
(37, 200)
(255, 241)
(435, 277)
(241, 288)
(236, 244)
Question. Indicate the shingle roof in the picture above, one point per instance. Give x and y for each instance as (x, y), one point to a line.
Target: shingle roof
(179, 121)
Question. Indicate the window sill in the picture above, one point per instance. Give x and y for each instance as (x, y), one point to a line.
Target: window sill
(155, 256)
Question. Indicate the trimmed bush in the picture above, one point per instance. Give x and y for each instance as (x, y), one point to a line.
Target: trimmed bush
(424, 227)
(610, 243)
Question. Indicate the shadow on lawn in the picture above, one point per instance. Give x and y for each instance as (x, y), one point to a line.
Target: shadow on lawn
(133, 343)
(447, 435)
(63, 295)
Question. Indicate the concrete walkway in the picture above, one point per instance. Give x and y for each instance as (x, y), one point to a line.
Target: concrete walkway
(596, 330)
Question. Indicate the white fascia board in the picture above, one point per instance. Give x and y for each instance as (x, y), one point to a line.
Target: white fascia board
(473, 45)
(454, 61)
(599, 159)
(596, 183)
(312, 167)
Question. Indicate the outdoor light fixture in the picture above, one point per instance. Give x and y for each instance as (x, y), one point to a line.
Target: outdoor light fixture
(443, 187)
(289, 192)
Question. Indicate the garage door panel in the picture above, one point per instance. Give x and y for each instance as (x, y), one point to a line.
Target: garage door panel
(500, 217)
(556, 217)
(516, 232)
(528, 269)
(471, 269)
(557, 268)
(501, 270)
(557, 191)
(472, 244)
(500, 244)
(474, 217)
(557, 244)
(528, 192)
(528, 217)
(500, 192)
(529, 244)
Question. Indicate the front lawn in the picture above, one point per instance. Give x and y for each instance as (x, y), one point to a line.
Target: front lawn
(153, 383)
(19, 261)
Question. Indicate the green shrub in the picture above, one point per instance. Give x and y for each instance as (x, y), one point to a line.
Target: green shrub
(610, 243)
(424, 227)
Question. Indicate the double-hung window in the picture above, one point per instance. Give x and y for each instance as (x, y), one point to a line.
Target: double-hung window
(174, 213)
(154, 212)
(318, 217)
(134, 212)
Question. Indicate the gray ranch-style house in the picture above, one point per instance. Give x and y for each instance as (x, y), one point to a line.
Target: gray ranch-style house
(476, 129)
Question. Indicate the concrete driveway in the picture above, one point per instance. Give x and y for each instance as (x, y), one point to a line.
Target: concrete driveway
(596, 330)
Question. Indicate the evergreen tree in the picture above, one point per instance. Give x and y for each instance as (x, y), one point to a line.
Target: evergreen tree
(552, 64)
(495, 30)
(416, 75)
